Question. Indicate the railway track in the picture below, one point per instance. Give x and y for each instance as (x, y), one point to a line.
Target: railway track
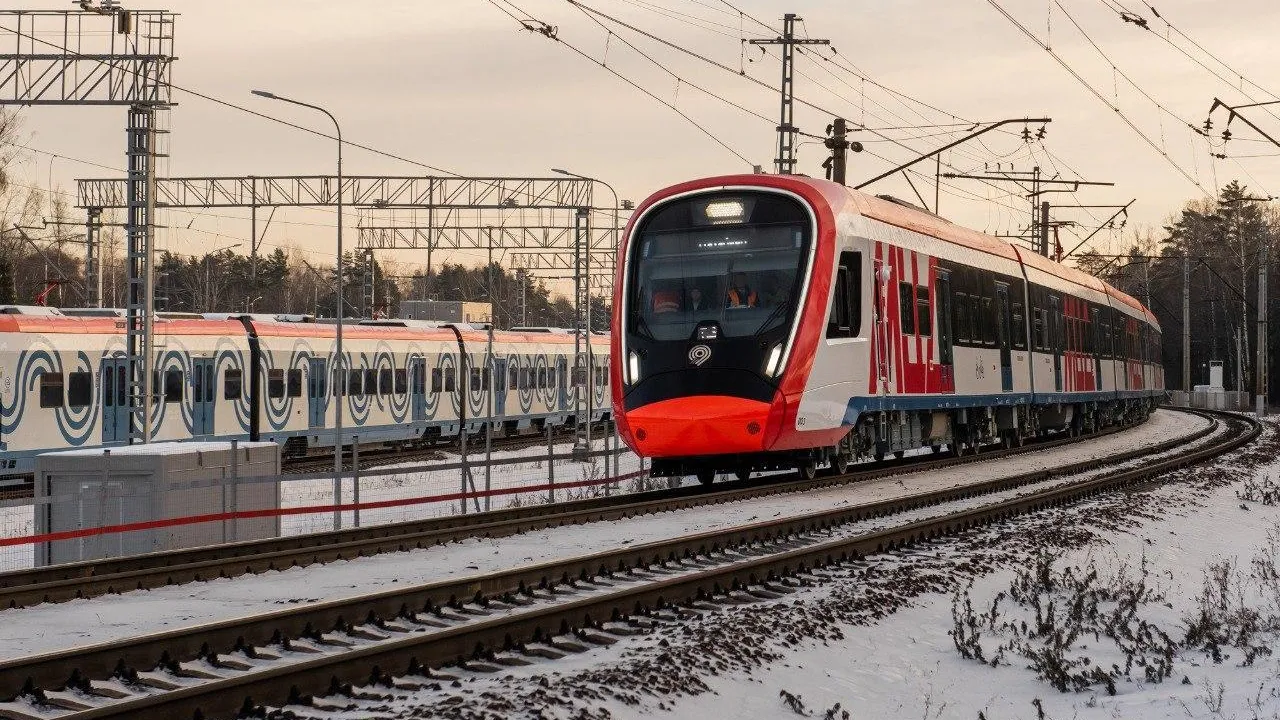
(60, 583)
(400, 636)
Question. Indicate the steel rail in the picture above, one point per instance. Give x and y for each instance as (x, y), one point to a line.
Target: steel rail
(60, 583)
(76, 667)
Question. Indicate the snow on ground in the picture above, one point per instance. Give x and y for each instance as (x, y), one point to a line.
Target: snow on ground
(1143, 606)
(53, 626)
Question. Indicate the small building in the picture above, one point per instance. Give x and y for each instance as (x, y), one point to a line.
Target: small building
(446, 311)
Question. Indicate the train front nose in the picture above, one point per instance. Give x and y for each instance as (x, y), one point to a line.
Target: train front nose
(698, 425)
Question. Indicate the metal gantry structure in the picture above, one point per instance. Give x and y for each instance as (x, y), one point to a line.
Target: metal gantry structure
(105, 55)
(545, 224)
(786, 160)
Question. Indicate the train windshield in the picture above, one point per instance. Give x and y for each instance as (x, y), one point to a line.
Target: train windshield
(729, 265)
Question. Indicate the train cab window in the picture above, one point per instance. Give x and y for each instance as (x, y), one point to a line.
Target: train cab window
(51, 390)
(385, 381)
(370, 382)
(907, 308)
(401, 381)
(846, 300)
(79, 389)
(1019, 327)
(355, 383)
(295, 383)
(275, 383)
(173, 386)
(437, 380)
(231, 385)
(924, 313)
(450, 384)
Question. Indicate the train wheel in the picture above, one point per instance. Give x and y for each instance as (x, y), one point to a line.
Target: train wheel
(743, 475)
(808, 469)
(706, 477)
(1006, 439)
(840, 464)
(936, 449)
(1018, 439)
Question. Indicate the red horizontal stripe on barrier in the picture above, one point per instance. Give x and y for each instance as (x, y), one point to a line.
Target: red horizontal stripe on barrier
(304, 510)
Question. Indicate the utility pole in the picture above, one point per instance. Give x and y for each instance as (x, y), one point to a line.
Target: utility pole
(786, 160)
(1186, 324)
(1261, 363)
(1044, 225)
(839, 145)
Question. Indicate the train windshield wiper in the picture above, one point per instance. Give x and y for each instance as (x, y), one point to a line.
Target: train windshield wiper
(773, 316)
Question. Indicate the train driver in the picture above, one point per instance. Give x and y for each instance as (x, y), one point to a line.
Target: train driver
(740, 294)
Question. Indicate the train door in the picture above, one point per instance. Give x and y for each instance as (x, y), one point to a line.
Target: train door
(202, 384)
(1004, 334)
(884, 366)
(1096, 320)
(316, 392)
(1055, 339)
(418, 389)
(115, 400)
(499, 387)
(946, 353)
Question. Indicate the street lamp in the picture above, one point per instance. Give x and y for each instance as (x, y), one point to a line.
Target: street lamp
(338, 370)
(586, 279)
(208, 281)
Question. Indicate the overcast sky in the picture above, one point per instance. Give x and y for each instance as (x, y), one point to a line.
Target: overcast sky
(458, 85)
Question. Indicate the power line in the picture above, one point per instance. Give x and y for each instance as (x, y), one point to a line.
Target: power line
(1102, 98)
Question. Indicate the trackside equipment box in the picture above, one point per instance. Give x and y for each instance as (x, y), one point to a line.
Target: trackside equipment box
(82, 490)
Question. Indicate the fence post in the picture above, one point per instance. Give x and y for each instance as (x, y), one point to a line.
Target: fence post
(355, 478)
(551, 466)
(235, 480)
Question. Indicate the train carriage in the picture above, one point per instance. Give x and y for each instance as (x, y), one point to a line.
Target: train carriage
(63, 382)
(767, 322)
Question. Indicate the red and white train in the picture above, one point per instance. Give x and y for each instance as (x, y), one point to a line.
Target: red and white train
(769, 322)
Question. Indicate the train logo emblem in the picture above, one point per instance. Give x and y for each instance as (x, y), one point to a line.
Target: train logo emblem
(699, 354)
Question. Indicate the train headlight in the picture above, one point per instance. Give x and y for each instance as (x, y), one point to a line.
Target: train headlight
(633, 368)
(773, 365)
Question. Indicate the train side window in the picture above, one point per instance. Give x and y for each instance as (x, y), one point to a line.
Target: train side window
(51, 388)
(450, 384)
(515, 375)
(295, 383)
(542, 378)
(402, 381)
(906, 308)
(79, 389)
(385, 381)
(838, 323)
(355, 383)
(275, 383)
(485, 378)
(232, 382)
(173, 386)
(337, 384)
(551, 378)
(473, 379)
(564, 374)
(924, 312)
(988, 322)
(1019, 328)
(370, 381)
(437, 380)
(1037, 329)
(108, 380)
(197, 385)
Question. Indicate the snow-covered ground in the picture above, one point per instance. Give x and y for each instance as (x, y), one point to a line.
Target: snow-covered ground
(49, 627)
(1153, 604)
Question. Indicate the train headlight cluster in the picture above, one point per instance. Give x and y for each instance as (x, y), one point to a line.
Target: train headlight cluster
(773, 365)
(633, 368)
(725, 211)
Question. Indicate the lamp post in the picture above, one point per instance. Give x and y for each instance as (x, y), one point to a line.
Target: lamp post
(338, 372)
(586, 279)
(208, 280)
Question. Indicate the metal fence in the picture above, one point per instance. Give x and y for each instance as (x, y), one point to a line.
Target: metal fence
(456, 481)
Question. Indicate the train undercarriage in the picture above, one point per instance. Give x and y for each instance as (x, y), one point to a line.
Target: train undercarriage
(956, 431)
